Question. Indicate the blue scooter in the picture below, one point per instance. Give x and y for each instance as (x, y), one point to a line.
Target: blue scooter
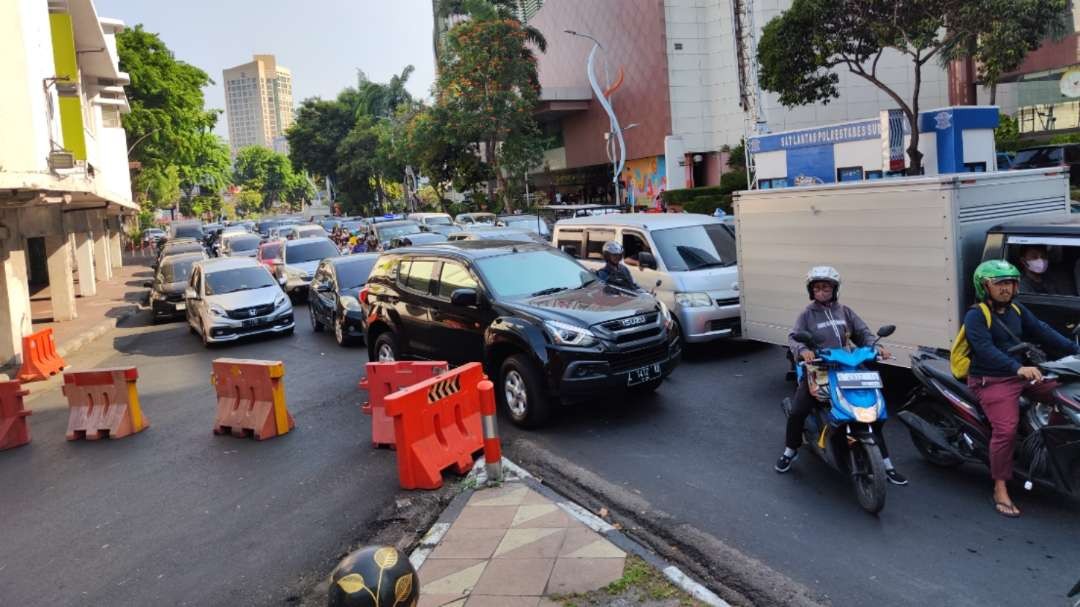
(841, 430)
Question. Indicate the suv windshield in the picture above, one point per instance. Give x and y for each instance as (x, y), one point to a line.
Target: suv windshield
(1037, 158)
(531, 224)
(353, 274)
(696, 247)
(535, 272)
(177, 271)
(240, 279)
(243, 243)
(302, 252)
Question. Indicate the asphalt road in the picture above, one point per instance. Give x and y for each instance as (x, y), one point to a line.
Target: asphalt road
(702, 450)
(176, 515)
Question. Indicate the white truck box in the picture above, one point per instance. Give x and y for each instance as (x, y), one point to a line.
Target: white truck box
(905, 248)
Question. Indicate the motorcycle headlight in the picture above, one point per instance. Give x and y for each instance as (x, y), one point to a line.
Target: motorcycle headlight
(693, 300)
(217, 310)
(570, 335)
(350, 303)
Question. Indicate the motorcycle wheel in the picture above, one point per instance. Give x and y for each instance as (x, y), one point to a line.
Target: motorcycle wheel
(869, 477)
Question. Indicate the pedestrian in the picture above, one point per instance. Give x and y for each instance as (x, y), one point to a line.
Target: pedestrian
(833, 325)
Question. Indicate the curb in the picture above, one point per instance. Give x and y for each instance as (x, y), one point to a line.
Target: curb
(478, 477)
(94, 332)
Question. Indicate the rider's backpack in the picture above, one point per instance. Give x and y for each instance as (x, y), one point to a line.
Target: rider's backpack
(960, 356)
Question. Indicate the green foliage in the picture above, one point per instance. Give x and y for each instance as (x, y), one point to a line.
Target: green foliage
(1064, 138)
(270, 173)
(168, 124)
(158, 185)
(709, 198)
(248, 202)
(853, 34)
(1007, 134)
(486, 93)
(737, 157)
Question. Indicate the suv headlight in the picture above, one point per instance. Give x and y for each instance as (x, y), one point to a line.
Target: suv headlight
(350, 303)
(665, 314)
(570, 335)
(693, 300)
(217, 310)
(280, 301)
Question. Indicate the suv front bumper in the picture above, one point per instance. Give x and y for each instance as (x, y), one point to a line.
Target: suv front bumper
(578, 375)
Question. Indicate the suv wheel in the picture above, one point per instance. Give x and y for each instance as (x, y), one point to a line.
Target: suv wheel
(316, 326)
(386, 348)
(521, 392)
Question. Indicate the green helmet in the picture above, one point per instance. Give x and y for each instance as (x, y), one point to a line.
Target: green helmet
(995, 269)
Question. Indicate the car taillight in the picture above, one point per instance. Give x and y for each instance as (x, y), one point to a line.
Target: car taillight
(363, 295)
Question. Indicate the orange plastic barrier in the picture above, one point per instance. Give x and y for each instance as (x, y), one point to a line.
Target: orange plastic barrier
(437, 426)
(383, 379)
(14, 431)
(103, 403)
(251, 398)
(40, 360)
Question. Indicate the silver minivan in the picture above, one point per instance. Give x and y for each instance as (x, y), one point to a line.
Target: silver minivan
(687, 260)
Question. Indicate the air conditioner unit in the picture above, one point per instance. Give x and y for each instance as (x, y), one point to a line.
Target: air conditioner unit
(61, 159)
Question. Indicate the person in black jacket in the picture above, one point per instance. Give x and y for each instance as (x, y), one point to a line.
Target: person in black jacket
(998, 378)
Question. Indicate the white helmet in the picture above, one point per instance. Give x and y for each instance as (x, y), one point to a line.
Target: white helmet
(612, 247)
(823, 274)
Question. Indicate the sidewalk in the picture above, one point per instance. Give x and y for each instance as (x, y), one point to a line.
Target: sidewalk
(116, 300)
(518, 545)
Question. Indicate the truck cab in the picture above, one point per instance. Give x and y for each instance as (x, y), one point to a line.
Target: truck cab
(1056, 301)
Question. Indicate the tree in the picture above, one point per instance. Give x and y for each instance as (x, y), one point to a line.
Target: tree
(1007, 134)
(492, 10)
(271, 173)
(159, 185)
(854, 34)
(248, 202)
(355, 171)
(487, 91)
(319, 129)
(168, 124)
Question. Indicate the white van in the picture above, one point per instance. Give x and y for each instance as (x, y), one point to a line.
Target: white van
(686, 260)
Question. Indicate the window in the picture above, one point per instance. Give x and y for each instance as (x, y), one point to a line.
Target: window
(454, 276)
(873, 175)
(522, 274)
(696, 247)
(419, 277)
(634, 243)
(849, 174)
(597, 238)
(1062, 254)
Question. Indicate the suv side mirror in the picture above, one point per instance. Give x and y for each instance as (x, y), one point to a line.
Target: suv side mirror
(465, 298)
(646, 260)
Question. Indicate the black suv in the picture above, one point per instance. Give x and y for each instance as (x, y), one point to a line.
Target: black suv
(545, 328)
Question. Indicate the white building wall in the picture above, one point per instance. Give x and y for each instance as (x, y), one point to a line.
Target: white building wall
(866, 154)
(25, 63)
(979, 146)
(703, 79)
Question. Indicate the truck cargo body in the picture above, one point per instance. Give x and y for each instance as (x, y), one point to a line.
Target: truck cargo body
(905, 248)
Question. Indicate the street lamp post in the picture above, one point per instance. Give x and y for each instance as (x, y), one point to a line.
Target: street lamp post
(609, 148)
(619, 159)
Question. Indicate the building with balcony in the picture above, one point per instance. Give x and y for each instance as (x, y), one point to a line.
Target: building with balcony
(258, 104)
(64, 180)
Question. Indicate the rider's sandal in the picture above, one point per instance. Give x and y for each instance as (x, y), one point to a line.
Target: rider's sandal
(1011, 511)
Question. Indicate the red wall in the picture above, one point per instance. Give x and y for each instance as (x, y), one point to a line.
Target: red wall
(633, 35)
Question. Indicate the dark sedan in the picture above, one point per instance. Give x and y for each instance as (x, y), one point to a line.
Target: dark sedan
(167, 288)
(333, 299)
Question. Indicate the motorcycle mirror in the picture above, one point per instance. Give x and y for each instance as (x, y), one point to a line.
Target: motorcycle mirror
(886, 331)
(804, 338)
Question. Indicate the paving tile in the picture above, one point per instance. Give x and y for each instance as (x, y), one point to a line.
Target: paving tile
(585, 543)
(546, 602)
(440, 600)
(485, 517)
(527, 513)
(468, 543)
(549, 518)
(455, 577)
(480, 600)
(582, 575)
(532, 497)
(530, 543)
(507, 495)
(515, 577)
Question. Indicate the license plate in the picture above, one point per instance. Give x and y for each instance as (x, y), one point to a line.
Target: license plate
(642, 375)
(251, 322)
(858, 380)
(181, 307)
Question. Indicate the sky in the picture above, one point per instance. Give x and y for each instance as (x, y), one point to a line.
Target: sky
(323, 42)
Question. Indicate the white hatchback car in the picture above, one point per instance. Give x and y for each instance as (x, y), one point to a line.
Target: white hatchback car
(232, 297)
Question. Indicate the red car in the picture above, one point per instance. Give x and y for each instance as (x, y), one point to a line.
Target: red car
(270, 253)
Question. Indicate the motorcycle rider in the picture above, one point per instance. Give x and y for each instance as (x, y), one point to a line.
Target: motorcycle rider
(833, 325)
(998, 378)
(614, 272)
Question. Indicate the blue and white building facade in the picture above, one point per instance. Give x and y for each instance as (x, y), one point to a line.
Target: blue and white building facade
(952, 140)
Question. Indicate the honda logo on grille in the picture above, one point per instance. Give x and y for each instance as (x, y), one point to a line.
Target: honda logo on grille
(633, 321)
(253, 312)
